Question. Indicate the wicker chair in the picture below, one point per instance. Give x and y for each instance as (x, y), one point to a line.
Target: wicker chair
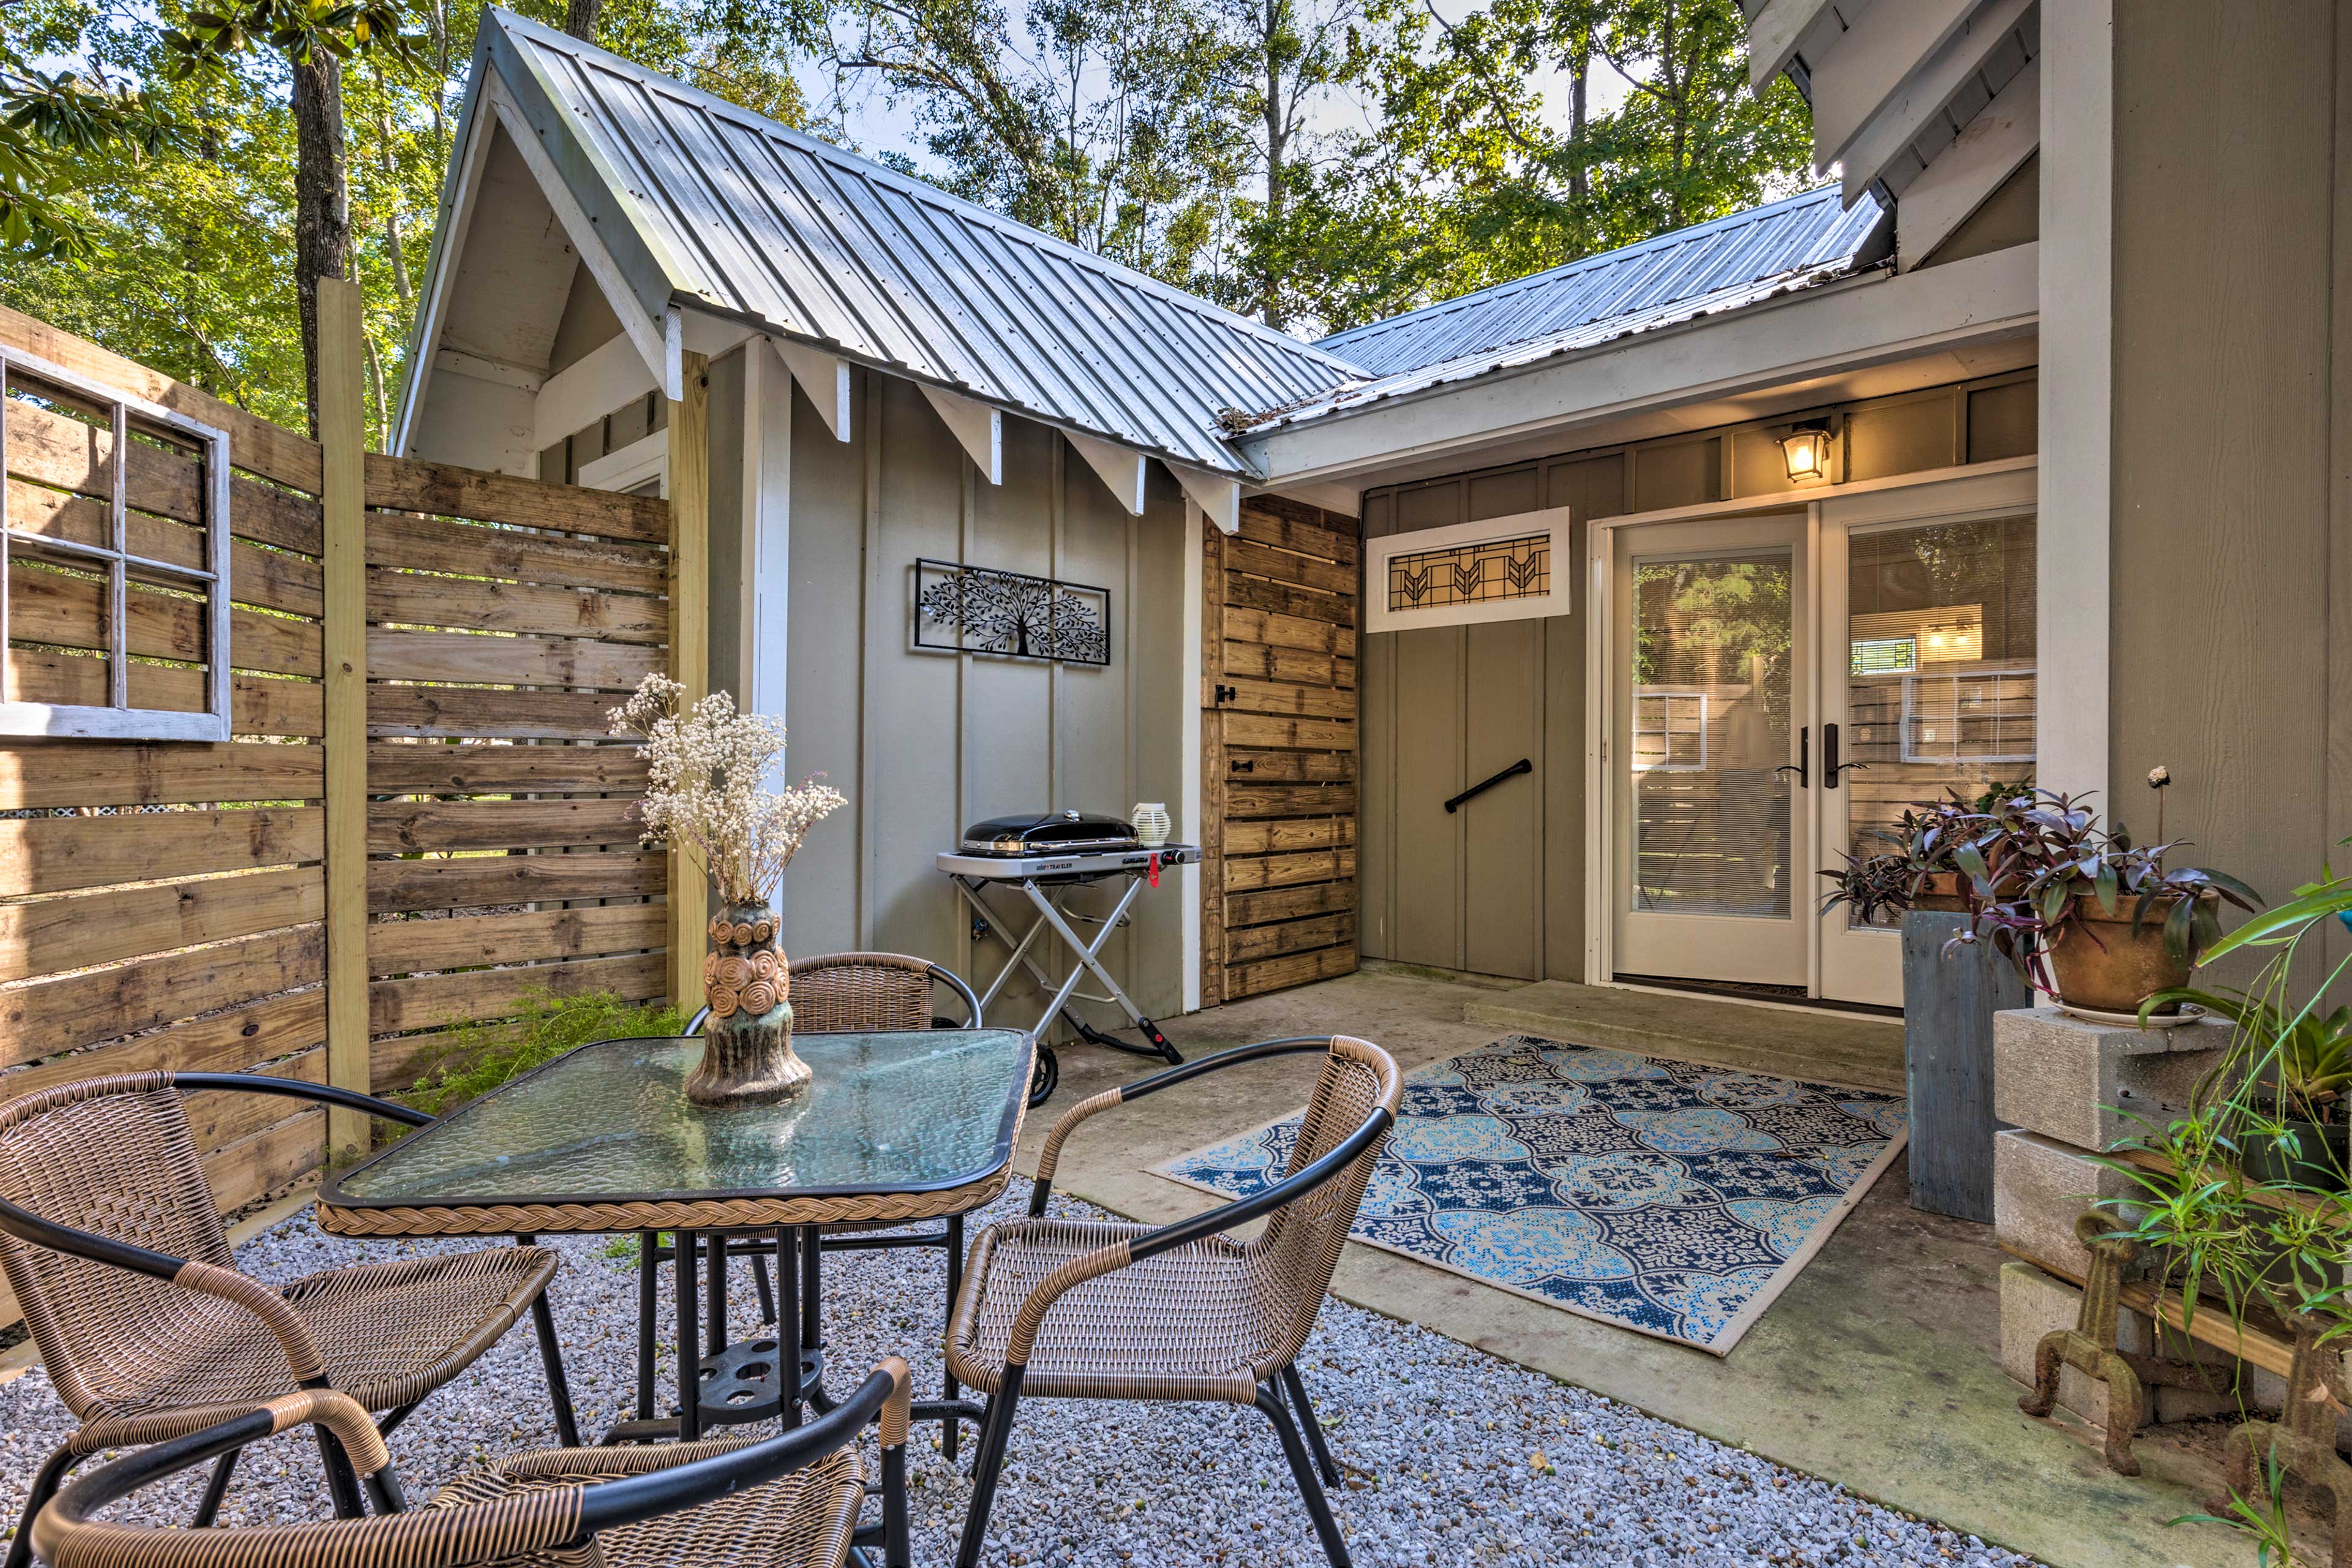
(1057, 1308)
(149, 1332)
(790, 1501)
(840, 992)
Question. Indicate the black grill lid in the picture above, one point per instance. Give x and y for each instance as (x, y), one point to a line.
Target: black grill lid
(1049, 832)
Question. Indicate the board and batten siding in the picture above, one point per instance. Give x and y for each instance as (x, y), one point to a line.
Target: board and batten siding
(2231, 478)
(1498, 887)
(923, 742)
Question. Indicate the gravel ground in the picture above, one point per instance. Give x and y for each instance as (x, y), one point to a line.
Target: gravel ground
(1453, 1456)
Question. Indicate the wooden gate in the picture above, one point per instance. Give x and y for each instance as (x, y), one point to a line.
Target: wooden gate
(1278, 748)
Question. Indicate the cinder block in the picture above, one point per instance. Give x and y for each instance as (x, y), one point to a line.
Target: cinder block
(2033, 1303)
(2082, 1084)
(2039, 1186)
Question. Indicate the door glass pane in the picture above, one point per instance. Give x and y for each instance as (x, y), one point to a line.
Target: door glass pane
(1940, 669)
(1711, 682)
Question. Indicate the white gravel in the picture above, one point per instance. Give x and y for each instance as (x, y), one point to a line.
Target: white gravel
(1454, 1457)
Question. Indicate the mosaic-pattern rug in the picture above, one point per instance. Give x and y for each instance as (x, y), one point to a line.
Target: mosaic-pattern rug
(1671, 1198)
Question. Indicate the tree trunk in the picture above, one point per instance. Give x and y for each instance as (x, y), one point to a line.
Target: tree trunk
(1579, 93)
(580, 19)
(1277, 175)
(322, 209)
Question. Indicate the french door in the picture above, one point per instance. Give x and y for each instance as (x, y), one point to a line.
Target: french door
(1712, 670)
(1781, 689)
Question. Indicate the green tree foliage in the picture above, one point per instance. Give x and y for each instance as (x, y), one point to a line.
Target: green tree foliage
(1315, 162)
(1471, 179)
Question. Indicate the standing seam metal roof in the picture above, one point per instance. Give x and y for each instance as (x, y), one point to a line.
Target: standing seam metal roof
(754, 220)
(1803, 234)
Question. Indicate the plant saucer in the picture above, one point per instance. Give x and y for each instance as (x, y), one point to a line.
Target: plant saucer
(2189, 1014)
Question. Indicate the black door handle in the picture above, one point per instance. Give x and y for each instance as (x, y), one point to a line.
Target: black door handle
(1523, 766)
(1803, 766)
(1831, 766)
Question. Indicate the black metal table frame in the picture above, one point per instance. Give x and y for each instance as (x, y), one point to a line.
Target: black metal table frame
(754, 1368)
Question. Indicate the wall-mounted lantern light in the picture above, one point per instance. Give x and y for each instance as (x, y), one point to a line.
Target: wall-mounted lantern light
(1807, 448)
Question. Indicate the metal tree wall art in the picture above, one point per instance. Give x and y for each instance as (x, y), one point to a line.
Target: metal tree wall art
(979, 609)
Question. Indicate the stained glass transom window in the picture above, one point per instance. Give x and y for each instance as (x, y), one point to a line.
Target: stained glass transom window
(1486, 573)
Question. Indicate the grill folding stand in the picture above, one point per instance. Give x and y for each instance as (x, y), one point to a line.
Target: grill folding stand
(1043, 879)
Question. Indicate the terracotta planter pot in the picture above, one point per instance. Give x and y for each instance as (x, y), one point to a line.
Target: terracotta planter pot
(747, 1046)
(2101, 963)
(1941, 894)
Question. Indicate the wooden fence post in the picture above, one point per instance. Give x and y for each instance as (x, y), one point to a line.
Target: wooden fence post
(343, 441)
(690, 645)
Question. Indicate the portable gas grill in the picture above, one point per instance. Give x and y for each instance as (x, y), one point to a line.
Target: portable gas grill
(1043, 855)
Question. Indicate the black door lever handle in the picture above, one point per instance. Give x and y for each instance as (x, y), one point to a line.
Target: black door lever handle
(1803, 766)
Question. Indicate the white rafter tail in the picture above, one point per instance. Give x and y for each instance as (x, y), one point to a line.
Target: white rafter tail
(1993, 147)
(1219, 498)
(1120, 468)
(980, 427)
(824, 377)
(673, 355)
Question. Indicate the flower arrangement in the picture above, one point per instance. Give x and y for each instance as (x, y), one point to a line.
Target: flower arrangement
(708, 796)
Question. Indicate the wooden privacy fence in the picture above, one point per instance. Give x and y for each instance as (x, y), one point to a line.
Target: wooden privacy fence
(416, 815)
(1279, 749)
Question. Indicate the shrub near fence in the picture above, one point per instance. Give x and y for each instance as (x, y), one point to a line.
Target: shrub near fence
(167, 904)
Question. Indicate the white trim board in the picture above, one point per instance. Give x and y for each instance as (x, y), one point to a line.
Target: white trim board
(1839, 327)
(646, 458)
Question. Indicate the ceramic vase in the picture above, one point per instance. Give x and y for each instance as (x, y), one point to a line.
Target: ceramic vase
(746, 1049)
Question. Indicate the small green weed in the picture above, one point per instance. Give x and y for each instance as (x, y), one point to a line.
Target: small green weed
(481, 1056)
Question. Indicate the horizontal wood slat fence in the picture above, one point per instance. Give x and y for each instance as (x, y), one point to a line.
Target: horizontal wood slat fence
(169, 903)
(1278, 730)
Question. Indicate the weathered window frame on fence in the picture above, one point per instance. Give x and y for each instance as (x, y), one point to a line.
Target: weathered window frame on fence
(119, 721)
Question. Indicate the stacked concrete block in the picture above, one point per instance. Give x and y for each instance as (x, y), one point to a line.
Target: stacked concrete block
(2070, 1090)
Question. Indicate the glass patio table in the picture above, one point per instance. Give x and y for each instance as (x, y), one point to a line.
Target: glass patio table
(894, 1128)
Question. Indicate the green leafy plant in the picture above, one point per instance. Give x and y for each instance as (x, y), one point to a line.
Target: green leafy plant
(2275, 1248)
(480, 1057)
(1924, 843)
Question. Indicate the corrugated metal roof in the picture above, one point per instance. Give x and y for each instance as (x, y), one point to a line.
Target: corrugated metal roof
(1780, 239)
(1591, 334)
(747, 217)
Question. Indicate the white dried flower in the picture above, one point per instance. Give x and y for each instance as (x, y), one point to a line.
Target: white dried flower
(707, 795)
(2158, 777)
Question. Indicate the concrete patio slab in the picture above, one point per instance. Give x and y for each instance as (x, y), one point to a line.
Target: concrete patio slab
(1879, 1368)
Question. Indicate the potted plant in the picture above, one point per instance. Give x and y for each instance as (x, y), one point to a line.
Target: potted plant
(2087, 916)
(1919, 871)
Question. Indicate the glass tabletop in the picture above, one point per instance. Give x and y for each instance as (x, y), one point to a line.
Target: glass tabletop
(909, 1112)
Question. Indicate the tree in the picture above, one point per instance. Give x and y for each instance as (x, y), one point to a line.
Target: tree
(1467, 182)
(1103, 122)
(314, 38)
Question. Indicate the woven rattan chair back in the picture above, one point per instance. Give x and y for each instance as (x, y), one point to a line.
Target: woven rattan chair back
(1292, 1260)
(839, 993)
(112, 1156)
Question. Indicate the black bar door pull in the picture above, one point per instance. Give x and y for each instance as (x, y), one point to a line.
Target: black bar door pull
(1831, 769)
(1523, 766)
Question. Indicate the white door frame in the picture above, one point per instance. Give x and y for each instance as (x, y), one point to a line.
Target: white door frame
(1986, 489)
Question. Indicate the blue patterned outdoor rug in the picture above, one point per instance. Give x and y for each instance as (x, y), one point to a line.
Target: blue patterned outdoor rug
(1663, 1196)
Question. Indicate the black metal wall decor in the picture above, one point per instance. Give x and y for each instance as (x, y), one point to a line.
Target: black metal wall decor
(980, 609)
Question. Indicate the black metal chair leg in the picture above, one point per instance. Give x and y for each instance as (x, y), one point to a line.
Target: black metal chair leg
(208, 1507)
(342, 1479)
(759, 1283)
(995, 1431)
(46, 1481)
(383, 1491)
(1305, 1408)
(551, 1356)
(1302, 1470)
(649, 1302)
(955, 1288)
